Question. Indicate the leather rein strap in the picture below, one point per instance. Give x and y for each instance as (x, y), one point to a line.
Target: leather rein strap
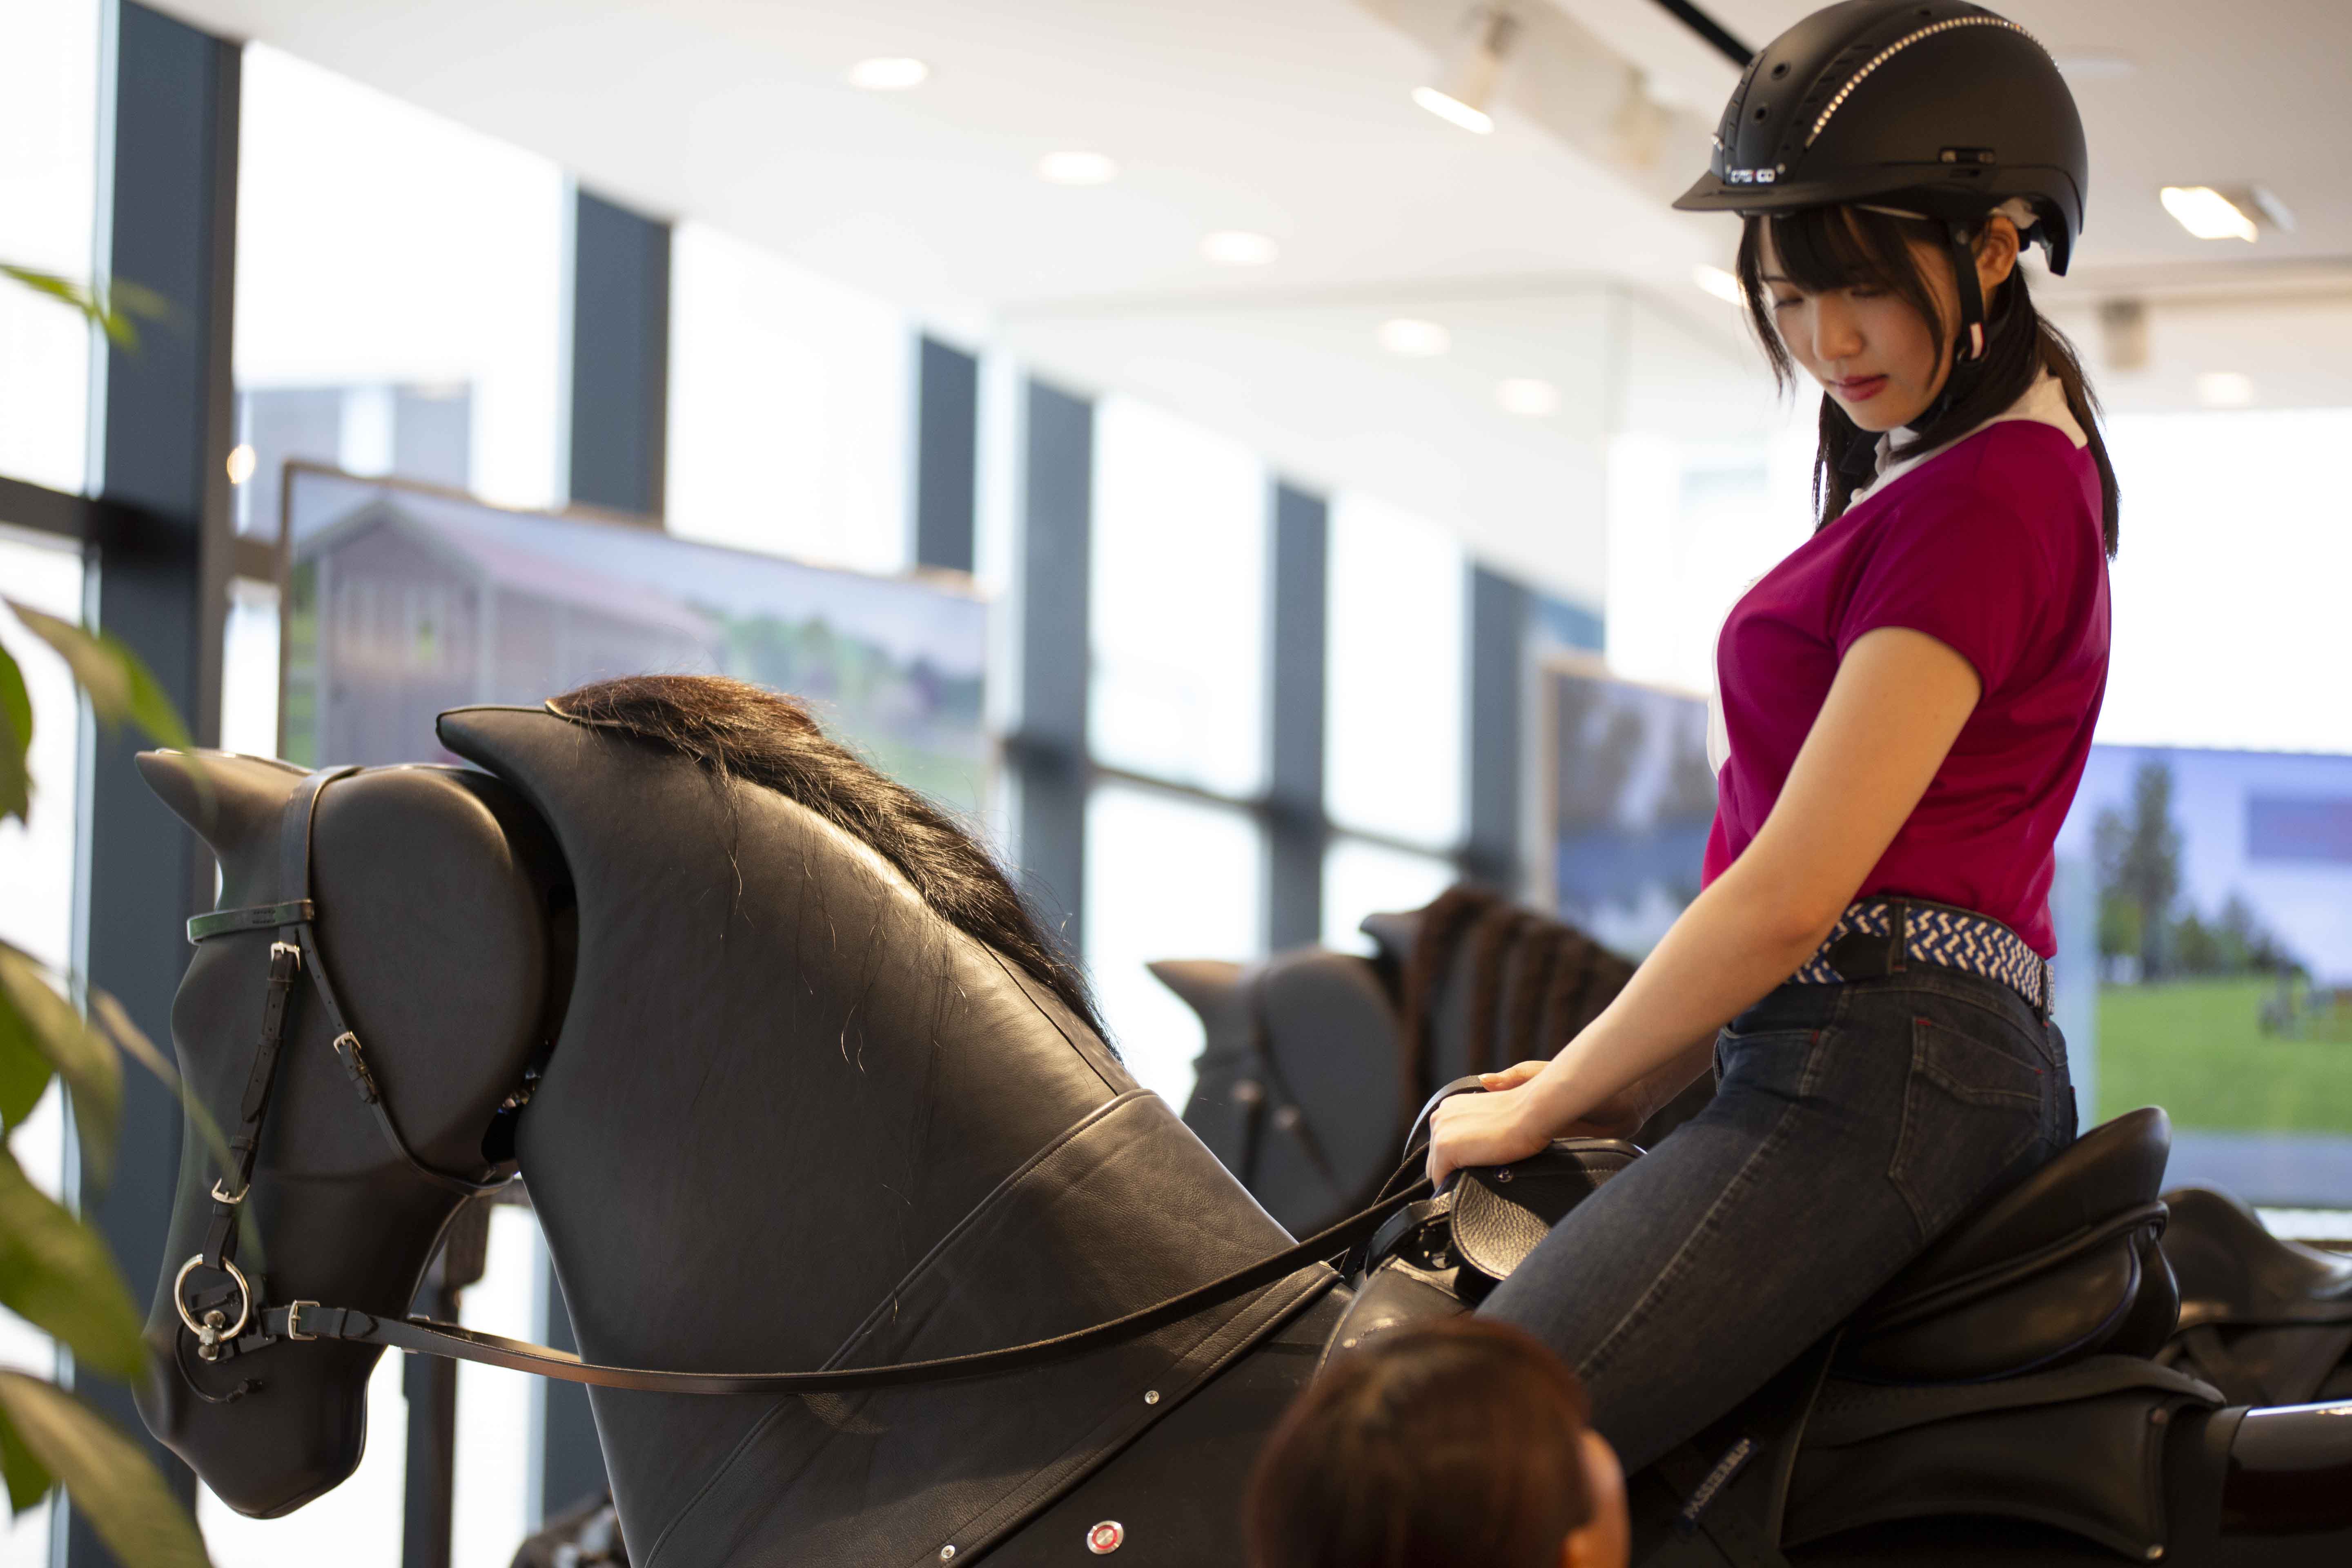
(309, 1321)
(297, 951)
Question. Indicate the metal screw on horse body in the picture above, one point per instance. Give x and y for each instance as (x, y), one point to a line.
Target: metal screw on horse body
(1106, 1538)
(946, 1553)
(1151, 1396)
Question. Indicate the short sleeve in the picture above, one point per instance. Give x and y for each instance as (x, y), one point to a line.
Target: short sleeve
(1964, 563)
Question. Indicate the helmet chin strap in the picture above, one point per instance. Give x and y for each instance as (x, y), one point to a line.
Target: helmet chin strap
(1970, 348)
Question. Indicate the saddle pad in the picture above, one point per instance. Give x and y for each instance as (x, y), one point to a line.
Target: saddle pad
(1501, 1212)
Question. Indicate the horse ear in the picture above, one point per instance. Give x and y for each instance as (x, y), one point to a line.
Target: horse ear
(1396, 934)
(227, 798)
(1206, 984)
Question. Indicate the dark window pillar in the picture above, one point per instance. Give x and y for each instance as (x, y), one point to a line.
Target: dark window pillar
(1296, 621)
(620, 357)
(947, 451)
(161, 586)
(1492, 853)
(1049, 749)
(620, 415)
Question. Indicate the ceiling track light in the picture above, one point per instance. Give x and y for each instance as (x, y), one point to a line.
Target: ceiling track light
(1465, 88)
(2239, 213)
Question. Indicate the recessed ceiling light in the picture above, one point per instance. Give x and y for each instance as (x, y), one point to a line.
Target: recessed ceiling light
(1718, 282)
(1453, 112)
(1418, 340)
(2207, 213)
(1238, 247)
(888, 73)
(2225, 389)
(1526, 396)
(1076, 169)
(2093, 65)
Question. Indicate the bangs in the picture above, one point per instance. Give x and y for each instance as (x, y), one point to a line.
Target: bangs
(1822, 248)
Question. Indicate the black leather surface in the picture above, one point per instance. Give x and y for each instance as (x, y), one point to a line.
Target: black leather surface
(2254, 1311)
(435, 889)
(1501, 1212)
(2081, 1450)
(2051, 1271)
(858, 1078)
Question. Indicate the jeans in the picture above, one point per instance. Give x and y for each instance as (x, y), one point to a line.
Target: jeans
(1851, 1124)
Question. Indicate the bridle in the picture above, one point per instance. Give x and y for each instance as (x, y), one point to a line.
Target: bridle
(296, 953)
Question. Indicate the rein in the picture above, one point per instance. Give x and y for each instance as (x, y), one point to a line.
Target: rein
(295, 952)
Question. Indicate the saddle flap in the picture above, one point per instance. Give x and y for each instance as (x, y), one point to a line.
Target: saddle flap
(1501, 1212)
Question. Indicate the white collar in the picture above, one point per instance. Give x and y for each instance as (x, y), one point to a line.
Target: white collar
(2045, 402)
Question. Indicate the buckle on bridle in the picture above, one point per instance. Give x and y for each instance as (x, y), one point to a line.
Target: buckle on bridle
(294, 1318)
(236, 1198)
(292, 950)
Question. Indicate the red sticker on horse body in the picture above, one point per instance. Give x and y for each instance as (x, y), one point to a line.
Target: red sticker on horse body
(1106, 1537)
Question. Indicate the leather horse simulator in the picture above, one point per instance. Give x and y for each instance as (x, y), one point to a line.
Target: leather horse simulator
(797, 1134)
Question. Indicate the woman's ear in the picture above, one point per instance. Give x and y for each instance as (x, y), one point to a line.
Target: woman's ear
(1996, 250)
(1606, 1539)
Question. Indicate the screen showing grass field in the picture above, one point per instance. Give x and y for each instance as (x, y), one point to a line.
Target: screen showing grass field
(2224, 935)
(402, 602)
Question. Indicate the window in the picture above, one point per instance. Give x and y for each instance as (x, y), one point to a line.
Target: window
(1399, 591)
(1360, 878)
(1167, 877)
(48, 195)
(399, 292)
(790, 408)
(1178, 602)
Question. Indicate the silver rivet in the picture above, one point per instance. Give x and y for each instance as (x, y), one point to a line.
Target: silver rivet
(946, 1553)
(1151, 1396)
(1350, 1344)
(1106, 1538)
(1504, 1174)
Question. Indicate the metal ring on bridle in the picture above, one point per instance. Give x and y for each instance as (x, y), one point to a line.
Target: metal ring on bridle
(244, 1296)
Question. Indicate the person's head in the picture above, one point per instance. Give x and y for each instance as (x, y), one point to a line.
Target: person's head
(1866, 304)
(1891, 159)
(1461, 1445)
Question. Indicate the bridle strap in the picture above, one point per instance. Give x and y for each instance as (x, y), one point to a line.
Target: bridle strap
(295, 950)
(310, 1320)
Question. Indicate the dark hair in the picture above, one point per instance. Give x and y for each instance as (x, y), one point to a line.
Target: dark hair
(1455, 1446)
(739, 730)
(1822, 248)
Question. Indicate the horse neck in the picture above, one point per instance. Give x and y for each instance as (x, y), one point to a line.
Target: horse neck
(781, 1079)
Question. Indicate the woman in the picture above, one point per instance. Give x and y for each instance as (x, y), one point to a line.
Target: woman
(1459, 1444)
(1908, 698)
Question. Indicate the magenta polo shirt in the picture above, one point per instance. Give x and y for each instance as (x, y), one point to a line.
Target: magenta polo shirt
(1992, 547)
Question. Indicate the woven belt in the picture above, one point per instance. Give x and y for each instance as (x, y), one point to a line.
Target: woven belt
(1864, 945)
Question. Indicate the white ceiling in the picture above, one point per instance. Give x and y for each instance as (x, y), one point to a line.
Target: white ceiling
(1546, 248)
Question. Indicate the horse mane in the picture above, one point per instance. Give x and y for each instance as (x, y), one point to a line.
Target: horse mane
(735, 730)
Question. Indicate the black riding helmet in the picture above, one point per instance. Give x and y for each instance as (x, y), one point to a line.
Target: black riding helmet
(1932, 107)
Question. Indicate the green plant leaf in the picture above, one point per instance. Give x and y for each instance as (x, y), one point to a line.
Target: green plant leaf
(58, 1274)
(25, 1070)
(76, 1048)
(15, 741)
(120, 685)
(28, 1481)
(110, 1478)
(111, 311)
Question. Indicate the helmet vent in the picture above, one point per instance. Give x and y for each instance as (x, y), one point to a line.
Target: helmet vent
(1837, 101)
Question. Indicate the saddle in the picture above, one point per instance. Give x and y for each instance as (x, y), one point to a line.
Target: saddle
(2264, 1321)
(2008, 1371)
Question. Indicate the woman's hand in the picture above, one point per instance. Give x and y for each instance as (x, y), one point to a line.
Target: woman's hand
(1492, 1129)
(1618, 1116)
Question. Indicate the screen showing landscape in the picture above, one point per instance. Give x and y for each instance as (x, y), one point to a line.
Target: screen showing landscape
(2224, 935)
(403, 601)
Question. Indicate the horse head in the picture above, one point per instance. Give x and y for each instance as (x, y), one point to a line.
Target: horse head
(437, 910)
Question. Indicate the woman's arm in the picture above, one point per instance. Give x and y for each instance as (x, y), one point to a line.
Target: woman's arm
(1898, 702)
